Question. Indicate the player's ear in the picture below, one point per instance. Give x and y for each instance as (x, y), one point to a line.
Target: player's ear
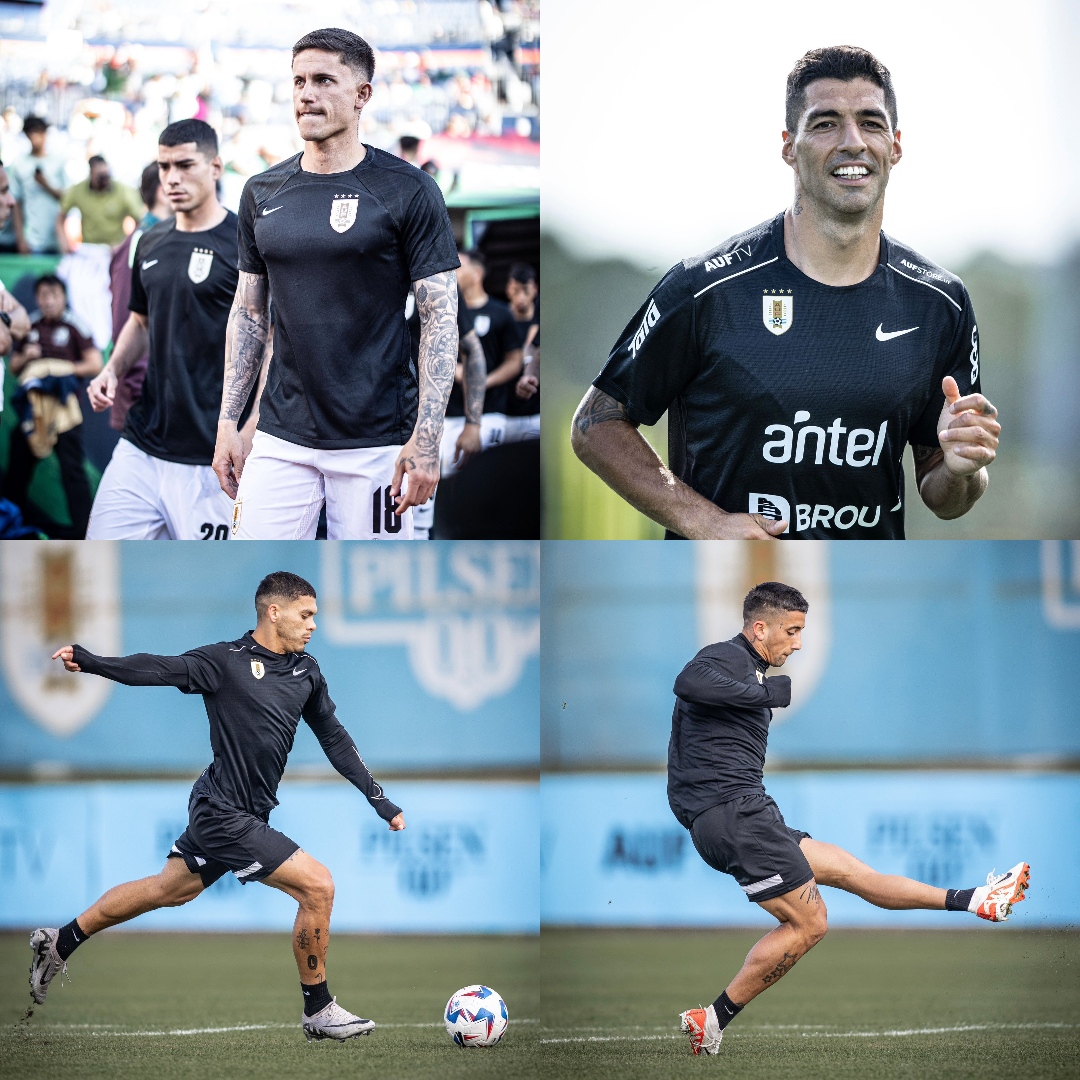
(787, 151)
(217, 166)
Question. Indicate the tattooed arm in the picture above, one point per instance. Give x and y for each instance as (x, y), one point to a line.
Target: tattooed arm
(245, 346)
(247, 432)
(608, 442)
(436, 304)
(468, 442)
(952, 476)
(132, 343)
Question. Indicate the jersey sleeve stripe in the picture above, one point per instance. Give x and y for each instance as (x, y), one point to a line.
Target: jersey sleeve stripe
(919, 281)
(739, 273)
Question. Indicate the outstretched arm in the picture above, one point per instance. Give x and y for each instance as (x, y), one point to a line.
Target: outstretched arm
(609, 443)
(341, 752)
(139, 669)
(245, 346)
(437, 305)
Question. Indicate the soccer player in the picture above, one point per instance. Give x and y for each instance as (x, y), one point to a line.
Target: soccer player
(716, 755)
(255, 690)
(523, 398)
(796, 360)
(159, 483)
(336, 234)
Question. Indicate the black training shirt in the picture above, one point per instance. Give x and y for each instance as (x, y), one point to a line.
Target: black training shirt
(495, 327)
(254, 699)
(720, 727)
(184, 282)
(341, 251)
(790, 398)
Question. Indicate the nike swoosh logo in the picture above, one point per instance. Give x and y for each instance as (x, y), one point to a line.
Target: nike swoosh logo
(895, 333)
(147, 265)
(299, 671)
(265, 212)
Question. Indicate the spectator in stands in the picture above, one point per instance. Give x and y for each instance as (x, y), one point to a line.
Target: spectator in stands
(523, 405)
(129, 389)
(37, 182)
(105, 206)
(409, 149)
(49, 362)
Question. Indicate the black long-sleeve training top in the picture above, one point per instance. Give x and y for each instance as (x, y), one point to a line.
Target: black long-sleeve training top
(720, 727)
(254, 699)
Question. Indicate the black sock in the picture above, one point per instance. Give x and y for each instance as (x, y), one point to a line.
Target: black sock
(316, 998)
(726, 1010)
(69, 938)
(958, 899)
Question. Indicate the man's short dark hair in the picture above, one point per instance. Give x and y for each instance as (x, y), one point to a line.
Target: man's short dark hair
(149, 183)
(476, 256)
(97, 159)
(34, 123)
(352, 50)
(50, 279)
(771, 598)
(844, 62)
(281, 585)
(522, 273)
(197, 131)
(409, 143)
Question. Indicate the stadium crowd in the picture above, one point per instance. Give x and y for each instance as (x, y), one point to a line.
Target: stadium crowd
(78, 140)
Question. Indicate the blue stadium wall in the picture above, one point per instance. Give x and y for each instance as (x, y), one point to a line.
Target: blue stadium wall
(612, 854)
(431, 651)
(466, 863)
(913, 652)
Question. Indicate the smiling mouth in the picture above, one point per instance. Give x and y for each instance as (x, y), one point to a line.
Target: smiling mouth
(851, 172)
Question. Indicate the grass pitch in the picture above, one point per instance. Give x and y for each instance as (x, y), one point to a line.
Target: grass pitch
(895, 1005)
(138, 1004)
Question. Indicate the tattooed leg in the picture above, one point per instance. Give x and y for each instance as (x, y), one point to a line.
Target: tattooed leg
(308, 882)
(802, 925)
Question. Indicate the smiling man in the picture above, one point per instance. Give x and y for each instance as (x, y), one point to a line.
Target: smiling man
(796, 360)
(255, 689)
(716, 758)
(159, 482)
(337, 234)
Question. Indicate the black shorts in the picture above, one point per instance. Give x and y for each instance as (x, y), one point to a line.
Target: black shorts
(747, 838)
(220, 839)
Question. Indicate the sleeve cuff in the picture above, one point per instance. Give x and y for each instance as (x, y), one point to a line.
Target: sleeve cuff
(388, 810)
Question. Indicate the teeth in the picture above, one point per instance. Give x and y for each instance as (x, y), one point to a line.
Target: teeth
(851, 171)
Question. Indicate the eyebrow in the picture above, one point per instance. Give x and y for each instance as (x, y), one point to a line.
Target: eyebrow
(818, 114)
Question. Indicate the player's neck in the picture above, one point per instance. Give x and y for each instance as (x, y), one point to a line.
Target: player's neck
(756, 646)
(203, 218)
(830, 251)
(340, 153)
(266, 637)
(475, 298)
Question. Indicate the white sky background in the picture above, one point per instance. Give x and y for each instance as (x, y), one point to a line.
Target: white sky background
(662, 121)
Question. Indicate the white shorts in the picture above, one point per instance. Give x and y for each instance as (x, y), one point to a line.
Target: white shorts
(520, 428)
(284, 485)
(492, 432)
(146, 498)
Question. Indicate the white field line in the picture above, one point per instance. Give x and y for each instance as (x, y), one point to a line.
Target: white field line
(105, 1029)
(814, 1033)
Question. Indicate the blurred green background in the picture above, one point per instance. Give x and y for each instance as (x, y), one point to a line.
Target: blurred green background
(1029, 329)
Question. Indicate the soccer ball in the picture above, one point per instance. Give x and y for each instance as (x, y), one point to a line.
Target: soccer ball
(476, 1016)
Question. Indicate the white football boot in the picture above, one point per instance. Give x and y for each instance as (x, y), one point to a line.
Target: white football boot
(334, 1022)
(704, 1030)
(994, 900)
(47, 963)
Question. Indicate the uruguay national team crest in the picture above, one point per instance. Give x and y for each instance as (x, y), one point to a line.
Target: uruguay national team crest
(776, 312)
(343, 212)
(482, 324)
(198, 267)
(257, 669)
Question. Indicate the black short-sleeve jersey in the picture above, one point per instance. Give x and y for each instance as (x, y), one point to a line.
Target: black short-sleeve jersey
(791, 398)
(184, 282)
(341, 251)
(495, 327)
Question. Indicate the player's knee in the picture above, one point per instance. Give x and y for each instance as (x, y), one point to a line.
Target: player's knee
(320, 887)
(816, 928)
